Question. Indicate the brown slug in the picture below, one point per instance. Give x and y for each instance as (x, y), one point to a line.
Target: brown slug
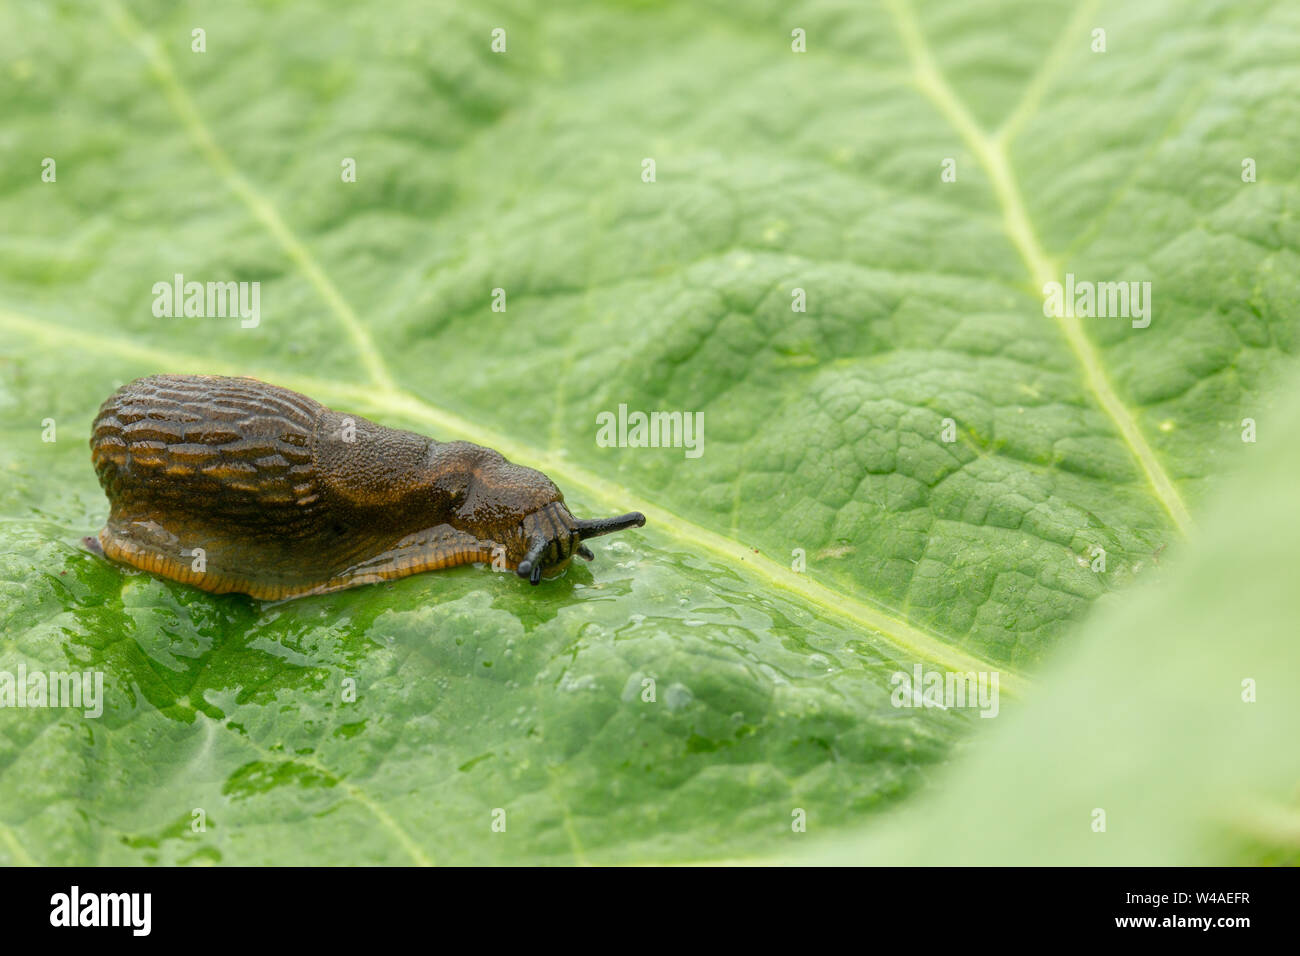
(234, 485)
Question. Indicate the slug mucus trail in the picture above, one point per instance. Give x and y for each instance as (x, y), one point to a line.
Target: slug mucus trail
(283, 497)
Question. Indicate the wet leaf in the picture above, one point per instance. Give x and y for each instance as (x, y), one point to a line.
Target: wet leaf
(730, 665)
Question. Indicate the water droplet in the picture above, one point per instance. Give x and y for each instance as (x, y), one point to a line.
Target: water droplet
(678, 696)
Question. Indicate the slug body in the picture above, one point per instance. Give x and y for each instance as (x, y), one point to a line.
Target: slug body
(231, 484)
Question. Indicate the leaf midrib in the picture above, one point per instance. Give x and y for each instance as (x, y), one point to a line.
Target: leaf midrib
(884, 622)
(989, 149)
(388, 397)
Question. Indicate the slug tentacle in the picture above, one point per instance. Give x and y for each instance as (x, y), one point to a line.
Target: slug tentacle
(554, 536)
(234, 485)
(595, 527)
(531, 565)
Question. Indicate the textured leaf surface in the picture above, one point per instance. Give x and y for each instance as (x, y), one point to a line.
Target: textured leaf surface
(775, 171)
(1174, 714)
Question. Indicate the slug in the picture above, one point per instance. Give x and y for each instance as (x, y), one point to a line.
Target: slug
(234, 485)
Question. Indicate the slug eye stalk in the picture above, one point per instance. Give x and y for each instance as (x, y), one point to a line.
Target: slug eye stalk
(595, 527)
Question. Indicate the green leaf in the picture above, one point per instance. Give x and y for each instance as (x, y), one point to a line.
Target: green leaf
(775, 171)
(1172, 721)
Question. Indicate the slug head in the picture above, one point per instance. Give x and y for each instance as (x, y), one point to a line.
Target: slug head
(552, 536)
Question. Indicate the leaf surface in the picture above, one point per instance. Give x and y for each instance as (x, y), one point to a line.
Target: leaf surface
(775, 171)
